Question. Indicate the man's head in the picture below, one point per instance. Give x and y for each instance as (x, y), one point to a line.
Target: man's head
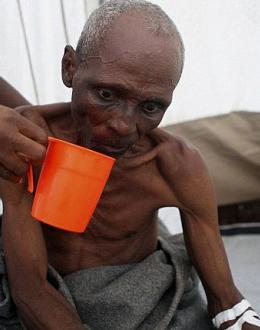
(102, 19)
(127, 63)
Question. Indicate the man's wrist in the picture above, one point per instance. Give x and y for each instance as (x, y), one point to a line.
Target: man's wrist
(225, 301)
(231, 313)
(240, 313)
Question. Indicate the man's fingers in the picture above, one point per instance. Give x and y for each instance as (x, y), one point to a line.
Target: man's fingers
(34, 115)
(33, 131)
(21, 141)
(42, 123)
(30, 149)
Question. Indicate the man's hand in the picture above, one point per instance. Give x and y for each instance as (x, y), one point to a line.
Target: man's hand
(245, 326)
(193, 194)
(21, 141)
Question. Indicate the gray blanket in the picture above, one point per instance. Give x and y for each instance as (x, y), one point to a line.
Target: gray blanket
(158, 293)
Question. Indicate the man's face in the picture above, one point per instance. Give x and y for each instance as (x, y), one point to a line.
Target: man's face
(123, 93)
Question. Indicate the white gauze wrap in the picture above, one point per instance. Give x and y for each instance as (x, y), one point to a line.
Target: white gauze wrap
(233, 313)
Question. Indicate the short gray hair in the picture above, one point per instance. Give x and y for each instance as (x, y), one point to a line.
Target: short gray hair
(101, 20)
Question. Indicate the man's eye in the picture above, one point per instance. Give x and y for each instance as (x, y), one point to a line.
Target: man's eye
(151, 107)
(105, 94)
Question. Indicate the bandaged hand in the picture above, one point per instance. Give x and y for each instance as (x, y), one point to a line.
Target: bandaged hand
(239, 317)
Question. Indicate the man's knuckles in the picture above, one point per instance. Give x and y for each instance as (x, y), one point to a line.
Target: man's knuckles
(36, 154)
(8, 118)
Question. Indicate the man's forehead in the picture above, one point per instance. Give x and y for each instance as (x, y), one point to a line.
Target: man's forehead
(129, 65)
(130, 47)
(151, 61)
(110, 57)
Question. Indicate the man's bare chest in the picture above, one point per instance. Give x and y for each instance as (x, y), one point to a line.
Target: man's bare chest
(123, 228)
(130, 199)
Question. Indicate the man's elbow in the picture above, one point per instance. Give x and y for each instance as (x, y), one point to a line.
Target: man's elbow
(27, 290)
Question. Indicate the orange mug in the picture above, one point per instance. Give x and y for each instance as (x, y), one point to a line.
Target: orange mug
(71, 182)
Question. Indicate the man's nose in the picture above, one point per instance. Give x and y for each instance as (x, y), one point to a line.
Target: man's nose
(123, 123)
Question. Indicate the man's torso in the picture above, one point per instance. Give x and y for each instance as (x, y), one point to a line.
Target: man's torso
(123, 228)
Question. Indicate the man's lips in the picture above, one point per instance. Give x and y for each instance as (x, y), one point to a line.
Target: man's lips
(112, 150)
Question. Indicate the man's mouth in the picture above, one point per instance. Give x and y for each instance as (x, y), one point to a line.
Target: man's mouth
(111, 150)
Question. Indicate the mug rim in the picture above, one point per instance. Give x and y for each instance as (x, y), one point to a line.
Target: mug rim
(53, 139)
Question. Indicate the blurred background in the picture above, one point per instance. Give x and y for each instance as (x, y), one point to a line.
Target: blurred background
(216, 104)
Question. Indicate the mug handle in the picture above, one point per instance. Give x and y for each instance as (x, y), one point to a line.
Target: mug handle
(30, 178)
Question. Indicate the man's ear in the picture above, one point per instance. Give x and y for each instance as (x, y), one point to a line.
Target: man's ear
(69, 65)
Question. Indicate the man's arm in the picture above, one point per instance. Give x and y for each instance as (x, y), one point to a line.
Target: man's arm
(39, 304)
(194, 195)
(196, 200)
(24, 135)
(204, 243)
(9, 96)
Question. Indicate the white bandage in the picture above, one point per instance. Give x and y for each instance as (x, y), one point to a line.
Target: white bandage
(248, 317)
(231, 314)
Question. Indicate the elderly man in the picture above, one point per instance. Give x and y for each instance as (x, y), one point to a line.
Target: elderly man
(124, 272)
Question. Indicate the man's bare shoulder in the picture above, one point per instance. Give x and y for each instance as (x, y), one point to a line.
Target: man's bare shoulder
(173, 154)
(184, 170)
(48, 111)
(179, 153)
